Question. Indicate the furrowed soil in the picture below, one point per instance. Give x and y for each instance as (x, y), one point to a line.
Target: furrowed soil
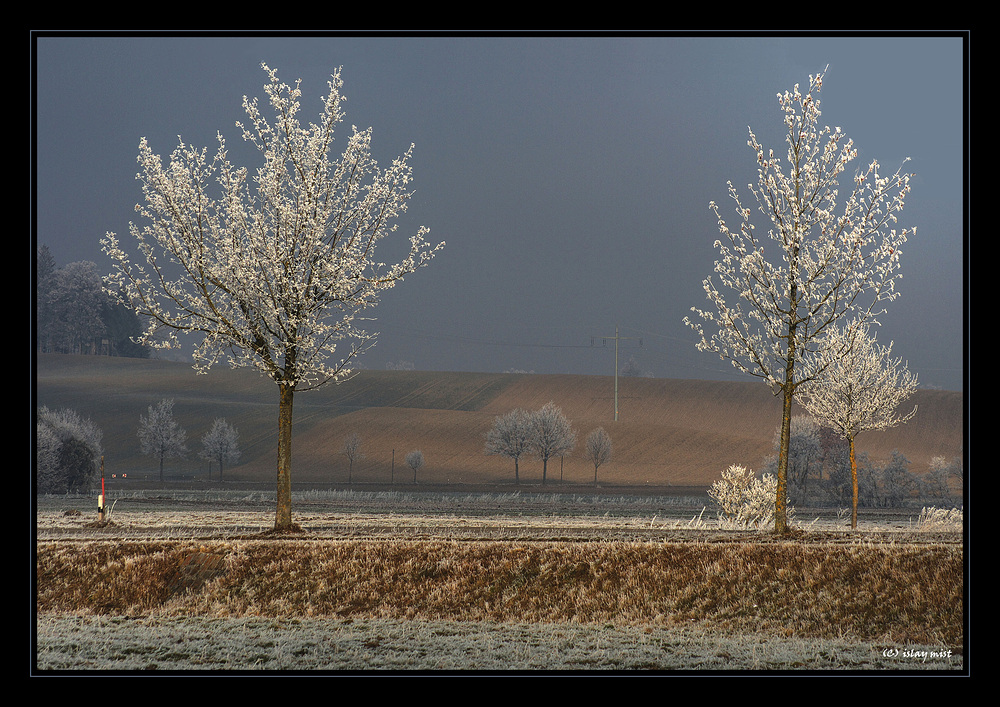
(469, 581)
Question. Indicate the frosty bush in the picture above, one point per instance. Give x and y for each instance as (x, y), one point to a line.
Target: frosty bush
(68, 450)
(744, 501)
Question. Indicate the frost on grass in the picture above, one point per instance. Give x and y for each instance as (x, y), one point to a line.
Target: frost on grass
(933, 519)
(262, 644)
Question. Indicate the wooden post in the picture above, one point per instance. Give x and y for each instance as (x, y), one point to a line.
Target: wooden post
(100, 499)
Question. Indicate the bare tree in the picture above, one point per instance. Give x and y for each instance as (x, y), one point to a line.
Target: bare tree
(510, 436)
(271, 267)
(415, 460)
(598, 449)
(160, 435)
(832, 260)
(552, 435)
(860, 388)
(221, 444)
(352, 450)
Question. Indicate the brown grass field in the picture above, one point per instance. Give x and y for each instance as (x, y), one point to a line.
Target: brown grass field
(464, 572)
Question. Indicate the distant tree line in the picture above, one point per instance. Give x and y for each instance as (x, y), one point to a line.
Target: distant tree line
(73, 314)
(68, 446)
(819, 472)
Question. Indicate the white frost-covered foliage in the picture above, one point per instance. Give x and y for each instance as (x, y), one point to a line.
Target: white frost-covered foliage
(552, 434)
(940, 519)
(510, 436)
(860, 386)
(68, 449)
(744, 501)
(160, 435)
(273, 266)
(824, 255)
(221, 444)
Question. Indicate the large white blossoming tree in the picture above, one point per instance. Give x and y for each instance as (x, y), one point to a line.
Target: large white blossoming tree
(824, 257)
(272, 266)
(860, 388)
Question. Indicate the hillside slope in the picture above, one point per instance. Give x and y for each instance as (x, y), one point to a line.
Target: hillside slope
(676, 432)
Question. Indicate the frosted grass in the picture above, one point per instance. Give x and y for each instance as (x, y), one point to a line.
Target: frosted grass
(123, 644)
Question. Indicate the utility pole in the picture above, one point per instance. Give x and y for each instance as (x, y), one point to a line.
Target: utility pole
(617, 338)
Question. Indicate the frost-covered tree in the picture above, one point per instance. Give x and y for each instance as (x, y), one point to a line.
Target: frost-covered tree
(272, 266)
(598, 449)
(859, 388)
(68, 449)
(415, 460)
(160, 435)
(825, 256)
(351, 450)
(552, 435)
(510, 436)
(221, 444)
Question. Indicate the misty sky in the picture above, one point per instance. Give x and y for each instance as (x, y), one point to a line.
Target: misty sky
(570, 176)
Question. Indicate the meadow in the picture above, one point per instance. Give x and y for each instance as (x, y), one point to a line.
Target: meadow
(511, 583)
(462, 571)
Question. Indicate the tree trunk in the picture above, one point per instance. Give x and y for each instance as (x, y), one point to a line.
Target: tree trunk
(517, 478)
(854, 486)
(283, 511)
(780, 497)
(161, 467)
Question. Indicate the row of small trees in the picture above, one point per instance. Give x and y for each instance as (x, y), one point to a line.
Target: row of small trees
(68, 446)
(544, 433)
(820, 472)
(162, 437)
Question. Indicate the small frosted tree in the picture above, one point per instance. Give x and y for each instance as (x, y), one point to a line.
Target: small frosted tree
(510, 436)
(160, 435)
(415, 460)
(221, 444)
(272, 267)
(832, 259)
(598, 449)
(351, 450)
(860, 388)
(552, 435)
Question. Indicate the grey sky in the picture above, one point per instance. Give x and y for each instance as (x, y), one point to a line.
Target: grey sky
(570, 176)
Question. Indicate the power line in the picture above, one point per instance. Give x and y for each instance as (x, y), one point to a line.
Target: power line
(616, 338)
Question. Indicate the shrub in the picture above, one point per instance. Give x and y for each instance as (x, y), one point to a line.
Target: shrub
(68, 451)
(743, 500)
